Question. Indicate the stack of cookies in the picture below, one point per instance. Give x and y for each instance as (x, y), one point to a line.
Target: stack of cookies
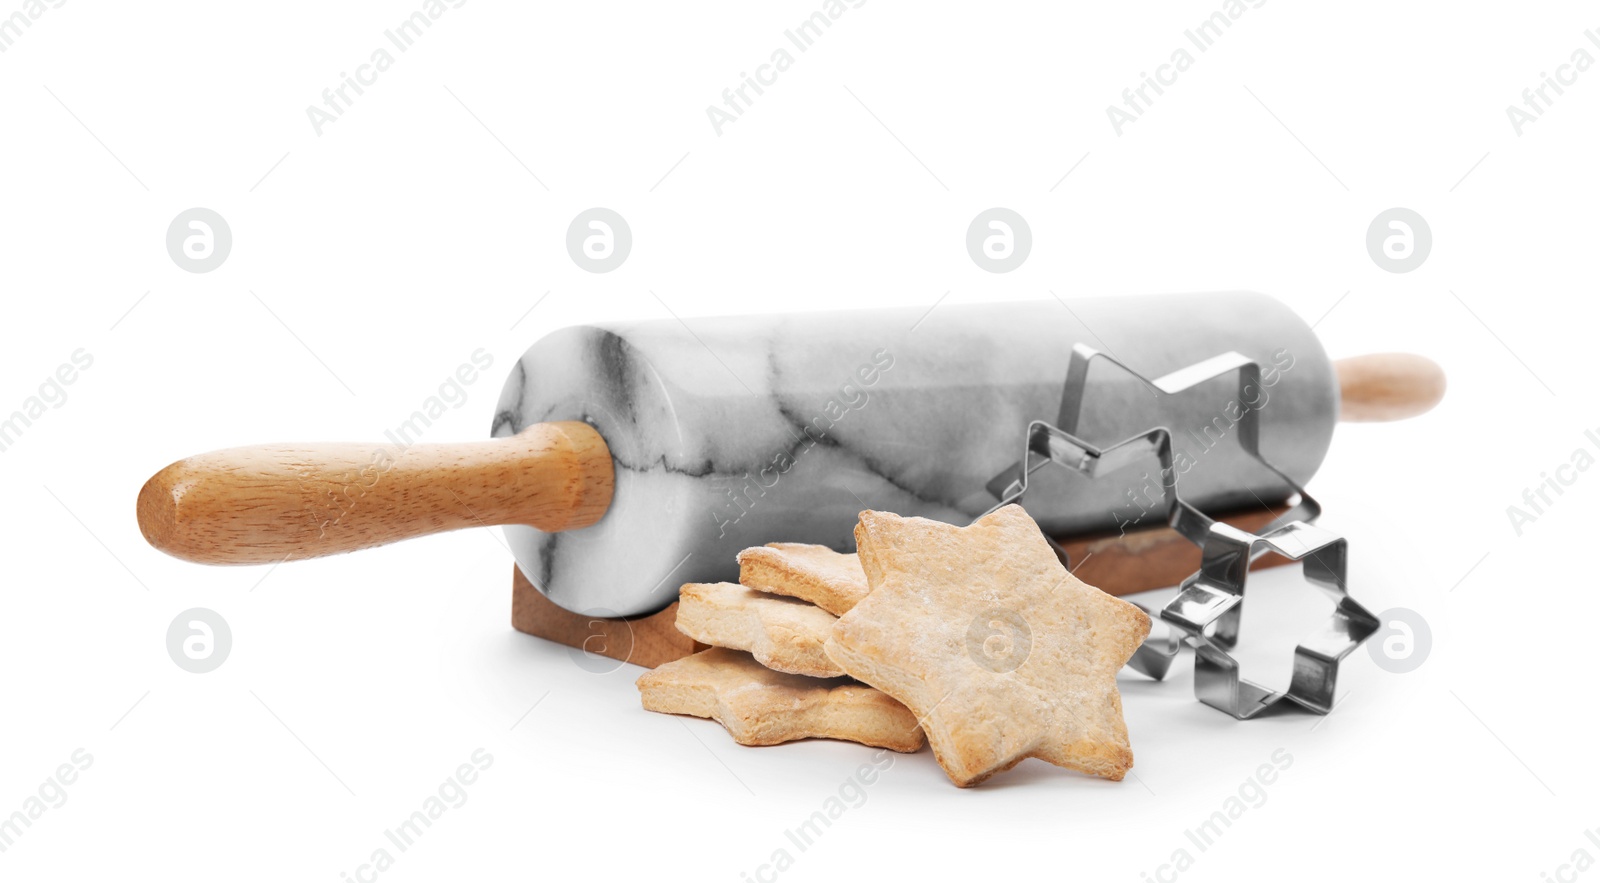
(974, 639)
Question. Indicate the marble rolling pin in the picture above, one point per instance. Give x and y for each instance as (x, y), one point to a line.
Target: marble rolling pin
(630, 458)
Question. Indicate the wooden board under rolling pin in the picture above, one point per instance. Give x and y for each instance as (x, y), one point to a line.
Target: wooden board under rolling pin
(630, 458)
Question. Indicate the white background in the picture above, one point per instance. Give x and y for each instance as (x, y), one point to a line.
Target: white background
(376, 257)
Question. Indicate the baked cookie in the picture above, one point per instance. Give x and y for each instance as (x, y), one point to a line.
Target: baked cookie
(781, 633)
(759, 706)
(998, 650)
(831, 580)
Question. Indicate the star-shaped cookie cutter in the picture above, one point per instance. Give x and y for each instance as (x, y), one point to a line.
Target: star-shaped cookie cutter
(1208, 606)
(1213, 597)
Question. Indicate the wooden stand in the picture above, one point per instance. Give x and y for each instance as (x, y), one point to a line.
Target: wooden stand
(642, 640)
(1119, 564)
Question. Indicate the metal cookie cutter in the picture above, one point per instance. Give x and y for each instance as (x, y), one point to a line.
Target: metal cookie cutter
(1214, 595)
(1208, 607)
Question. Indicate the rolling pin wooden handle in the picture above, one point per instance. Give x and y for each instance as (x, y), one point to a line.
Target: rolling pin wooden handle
(1387, 386)
(269, 503)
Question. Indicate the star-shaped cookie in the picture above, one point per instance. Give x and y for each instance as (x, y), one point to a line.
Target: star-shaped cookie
(781, 633)
(759, 706)
(831, 580)
(998, 650)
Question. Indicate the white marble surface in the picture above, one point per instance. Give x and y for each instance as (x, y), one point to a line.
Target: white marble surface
(733, 432)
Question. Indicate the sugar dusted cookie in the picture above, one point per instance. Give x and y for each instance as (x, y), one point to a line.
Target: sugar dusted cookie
(831, 580)
(998, 650)
(781, 633)
(759, 706)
